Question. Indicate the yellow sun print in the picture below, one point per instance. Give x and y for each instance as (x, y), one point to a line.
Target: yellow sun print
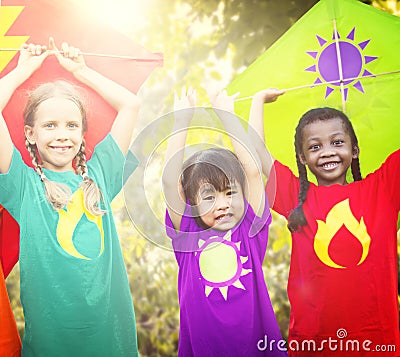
(221, 264)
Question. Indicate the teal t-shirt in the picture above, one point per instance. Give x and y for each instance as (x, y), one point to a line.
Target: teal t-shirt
(74, 288)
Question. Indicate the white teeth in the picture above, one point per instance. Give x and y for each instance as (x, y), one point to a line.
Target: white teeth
(60, 148)
(330, 165)
(220, 218)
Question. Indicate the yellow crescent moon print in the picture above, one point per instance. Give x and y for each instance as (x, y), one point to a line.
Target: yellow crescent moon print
(340, 215)
(69, 219)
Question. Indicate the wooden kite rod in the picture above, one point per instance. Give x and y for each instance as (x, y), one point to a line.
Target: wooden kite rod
(325, 83)
(340, 68)
(101, 55)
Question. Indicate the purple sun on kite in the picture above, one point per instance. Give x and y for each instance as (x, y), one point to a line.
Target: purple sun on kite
(352, 62)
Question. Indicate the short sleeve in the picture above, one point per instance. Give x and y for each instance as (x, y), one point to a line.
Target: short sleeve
(389, 178)
(131, 163)
(256, 223)
(282, 189)
(107, 166)
(186, 238)
(12, 183)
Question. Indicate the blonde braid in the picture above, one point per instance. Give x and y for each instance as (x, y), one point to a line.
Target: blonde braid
(33, 154)
(91, 192)
(57, 194)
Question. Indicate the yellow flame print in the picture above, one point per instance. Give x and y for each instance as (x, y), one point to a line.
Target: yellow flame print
(340, 215)
(69, 219)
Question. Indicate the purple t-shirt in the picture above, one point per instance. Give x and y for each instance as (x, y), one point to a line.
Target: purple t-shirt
(225, 309)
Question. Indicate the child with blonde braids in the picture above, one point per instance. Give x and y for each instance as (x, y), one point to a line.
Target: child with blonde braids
(74, 288)
(59, 194)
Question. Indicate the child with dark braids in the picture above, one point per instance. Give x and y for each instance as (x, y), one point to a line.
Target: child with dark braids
(343, 274)
(74, 288)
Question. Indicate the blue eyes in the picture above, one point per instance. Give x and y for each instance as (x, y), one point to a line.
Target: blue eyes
(73, 126)
(53, 125)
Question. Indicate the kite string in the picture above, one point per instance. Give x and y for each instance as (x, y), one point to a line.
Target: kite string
(338, 81)
(100, 55)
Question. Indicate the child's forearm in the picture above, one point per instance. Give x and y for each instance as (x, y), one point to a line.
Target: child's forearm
(171, 177)
(11, 81)
(174, 155)
(6, 146)
(249, 159)
(256, 133)
(113, 93)
(30, 59)
(182, 116)
(256, 118)
(121, 99)
(8, 84)
(241, 142)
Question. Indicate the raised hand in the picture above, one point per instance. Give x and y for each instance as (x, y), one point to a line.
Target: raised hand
(187, 99)
(69, 57)
(221, 100)
(31, 56)
(268, 95)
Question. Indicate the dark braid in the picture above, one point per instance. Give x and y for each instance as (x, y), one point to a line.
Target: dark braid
(355, 169)
(296, 217)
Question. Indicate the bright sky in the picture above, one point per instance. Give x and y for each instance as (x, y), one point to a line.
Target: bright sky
(121, 14)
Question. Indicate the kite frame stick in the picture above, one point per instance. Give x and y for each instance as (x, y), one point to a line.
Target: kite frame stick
(340, 68)
(100, 55)
(329, 82)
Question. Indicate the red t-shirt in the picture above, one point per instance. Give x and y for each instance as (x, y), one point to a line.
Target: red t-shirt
(343, 278)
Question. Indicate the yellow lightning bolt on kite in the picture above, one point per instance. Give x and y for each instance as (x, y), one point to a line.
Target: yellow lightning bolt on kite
(8, 15)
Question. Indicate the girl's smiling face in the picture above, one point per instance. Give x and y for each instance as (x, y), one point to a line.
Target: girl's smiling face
(220, 210)
(327, 151)
(57, 133)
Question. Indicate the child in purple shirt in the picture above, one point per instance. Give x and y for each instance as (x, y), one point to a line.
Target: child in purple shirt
(218, 221)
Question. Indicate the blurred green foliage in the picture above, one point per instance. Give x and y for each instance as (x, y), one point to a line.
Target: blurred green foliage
(205, 44)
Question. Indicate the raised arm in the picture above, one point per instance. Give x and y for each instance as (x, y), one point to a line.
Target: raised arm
(30, 59)
(171, 178)
(256, 125)
(244, 149)
(121, 99)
